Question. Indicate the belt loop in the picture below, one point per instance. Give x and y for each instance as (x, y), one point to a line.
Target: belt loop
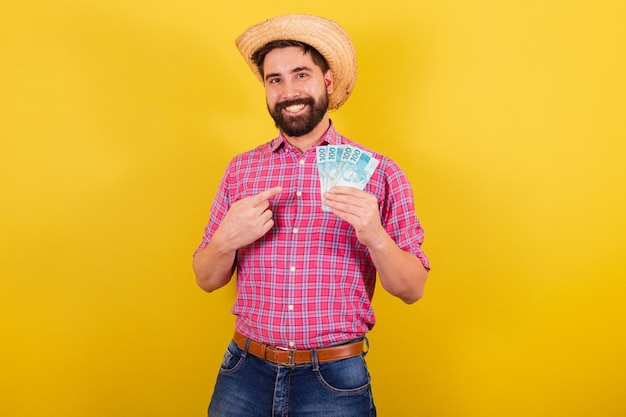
(367, 344)
(314, 360)
(263, 351)
(245, 348)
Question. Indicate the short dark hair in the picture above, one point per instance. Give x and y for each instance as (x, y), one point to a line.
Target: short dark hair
(259, 55)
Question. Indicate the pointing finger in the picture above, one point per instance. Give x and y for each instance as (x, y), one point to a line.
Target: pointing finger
(266, 195)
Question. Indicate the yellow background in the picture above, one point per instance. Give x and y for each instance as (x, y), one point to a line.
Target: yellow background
(117, 118)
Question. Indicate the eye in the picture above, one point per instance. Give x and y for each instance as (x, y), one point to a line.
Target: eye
(274, 80)
(302, 75)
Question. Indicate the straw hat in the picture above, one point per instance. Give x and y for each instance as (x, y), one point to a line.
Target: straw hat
(322, 34)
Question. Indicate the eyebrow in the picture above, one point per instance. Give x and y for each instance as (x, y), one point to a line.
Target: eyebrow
(293, 71)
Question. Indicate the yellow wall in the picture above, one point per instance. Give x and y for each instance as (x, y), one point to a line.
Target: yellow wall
(117, 118)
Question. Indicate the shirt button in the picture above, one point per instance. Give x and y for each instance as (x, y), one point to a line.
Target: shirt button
(292, 269)
(292, 344)
(290, 307)
(302, 162)
(299, 193)
(295, 230)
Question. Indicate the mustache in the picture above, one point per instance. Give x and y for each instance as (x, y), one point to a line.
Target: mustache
(305, 100)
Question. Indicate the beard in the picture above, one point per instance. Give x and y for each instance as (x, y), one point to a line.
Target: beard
(300, 125)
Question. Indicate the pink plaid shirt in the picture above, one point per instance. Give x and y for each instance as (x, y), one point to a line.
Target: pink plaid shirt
(308, 282)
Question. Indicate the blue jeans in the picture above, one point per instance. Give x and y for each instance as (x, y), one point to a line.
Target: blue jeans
(248, 386)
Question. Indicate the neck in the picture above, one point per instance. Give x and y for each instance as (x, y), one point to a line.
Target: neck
(311, 139)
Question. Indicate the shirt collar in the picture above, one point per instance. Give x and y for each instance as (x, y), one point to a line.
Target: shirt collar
(330, 137)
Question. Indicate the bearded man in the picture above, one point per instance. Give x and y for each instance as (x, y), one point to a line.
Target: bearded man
(305, 275)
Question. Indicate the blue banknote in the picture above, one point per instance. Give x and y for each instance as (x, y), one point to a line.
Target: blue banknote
(343, 165)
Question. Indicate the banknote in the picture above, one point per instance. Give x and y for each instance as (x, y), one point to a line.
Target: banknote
(322, 159)
(343, 165)
(346, 153)
(334, 157)
(356, 171)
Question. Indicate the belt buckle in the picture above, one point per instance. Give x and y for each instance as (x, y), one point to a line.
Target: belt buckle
(292, 356)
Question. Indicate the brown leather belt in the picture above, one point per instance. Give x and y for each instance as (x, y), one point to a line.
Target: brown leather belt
(298, 357)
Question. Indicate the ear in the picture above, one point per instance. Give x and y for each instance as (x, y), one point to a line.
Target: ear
(329, 81)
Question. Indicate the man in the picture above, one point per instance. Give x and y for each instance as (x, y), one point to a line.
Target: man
(305, 276)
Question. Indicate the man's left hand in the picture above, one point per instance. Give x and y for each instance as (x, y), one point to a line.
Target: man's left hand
(358, 208)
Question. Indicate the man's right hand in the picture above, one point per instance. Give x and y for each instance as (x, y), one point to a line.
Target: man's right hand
(248, 219)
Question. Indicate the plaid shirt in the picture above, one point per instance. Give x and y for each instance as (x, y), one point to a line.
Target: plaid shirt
(308, 282)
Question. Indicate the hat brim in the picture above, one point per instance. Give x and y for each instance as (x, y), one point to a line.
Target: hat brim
(330, 39)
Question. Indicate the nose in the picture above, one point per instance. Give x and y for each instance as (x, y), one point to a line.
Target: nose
(290, 90)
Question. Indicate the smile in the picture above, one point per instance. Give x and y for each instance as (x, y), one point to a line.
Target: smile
(295, 108)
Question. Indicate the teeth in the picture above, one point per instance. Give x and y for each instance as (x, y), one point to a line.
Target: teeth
(295, 108)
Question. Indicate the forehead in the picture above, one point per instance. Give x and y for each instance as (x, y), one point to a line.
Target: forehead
(281, 60)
